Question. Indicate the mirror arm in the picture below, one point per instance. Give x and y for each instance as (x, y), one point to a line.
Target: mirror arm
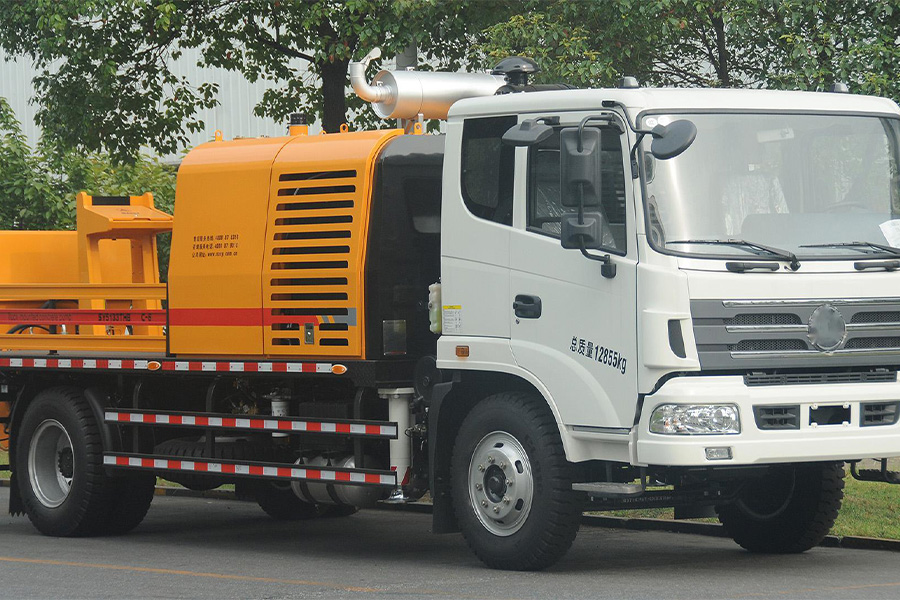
(608, 270)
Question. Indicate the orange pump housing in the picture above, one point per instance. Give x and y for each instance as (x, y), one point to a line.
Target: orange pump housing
(267, 258)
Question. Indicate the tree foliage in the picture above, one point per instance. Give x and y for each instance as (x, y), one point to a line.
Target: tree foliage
(105, 65)
(783, 44)
(40, 183)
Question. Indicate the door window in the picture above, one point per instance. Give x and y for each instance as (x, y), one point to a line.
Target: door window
(487, 169)
(544, 212)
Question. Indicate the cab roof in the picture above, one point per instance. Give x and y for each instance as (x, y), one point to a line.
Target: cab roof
(674, 99)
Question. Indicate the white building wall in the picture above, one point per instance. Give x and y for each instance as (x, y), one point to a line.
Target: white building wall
(233, 115)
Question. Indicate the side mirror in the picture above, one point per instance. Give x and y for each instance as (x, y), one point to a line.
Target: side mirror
(590, 231)
(527, 133)
(579, 165)
(671, 140)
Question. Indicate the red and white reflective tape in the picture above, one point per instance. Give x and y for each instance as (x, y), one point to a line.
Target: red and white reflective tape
(388, 430)
(206, 366)
(329, 475)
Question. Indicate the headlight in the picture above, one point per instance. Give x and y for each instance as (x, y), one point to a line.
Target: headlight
(695, 419)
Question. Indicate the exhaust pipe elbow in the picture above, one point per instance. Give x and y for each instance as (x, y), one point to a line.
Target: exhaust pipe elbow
(357, 73)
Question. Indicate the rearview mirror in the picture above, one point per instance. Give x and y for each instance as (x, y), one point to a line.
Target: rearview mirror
(579, 165)
(671, 140)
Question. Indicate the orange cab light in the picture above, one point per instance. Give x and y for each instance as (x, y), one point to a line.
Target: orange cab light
(462, 351)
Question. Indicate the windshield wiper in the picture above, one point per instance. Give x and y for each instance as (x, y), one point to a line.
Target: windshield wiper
(778, 252)
(882, 247)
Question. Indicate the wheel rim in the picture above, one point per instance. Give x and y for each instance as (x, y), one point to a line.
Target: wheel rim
(501, 486)
(51, 465)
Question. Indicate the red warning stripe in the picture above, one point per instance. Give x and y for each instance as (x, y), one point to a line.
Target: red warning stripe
(215, 421)
(215, 366)
(286, 472)
(55, 316)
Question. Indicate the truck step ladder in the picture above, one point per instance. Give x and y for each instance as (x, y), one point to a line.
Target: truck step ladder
(882, 475)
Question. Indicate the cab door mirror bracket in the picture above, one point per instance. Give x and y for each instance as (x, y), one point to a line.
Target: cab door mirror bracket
(585, 230)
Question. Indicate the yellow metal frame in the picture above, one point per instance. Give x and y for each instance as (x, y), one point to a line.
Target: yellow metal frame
(116, 269)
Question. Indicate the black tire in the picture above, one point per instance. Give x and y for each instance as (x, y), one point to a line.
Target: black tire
(59, 465)
(280, 502)
(129, 498)
(182, 448)
(516, 436)
(788, 511)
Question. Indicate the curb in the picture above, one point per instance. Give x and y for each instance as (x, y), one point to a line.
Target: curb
(850, 542)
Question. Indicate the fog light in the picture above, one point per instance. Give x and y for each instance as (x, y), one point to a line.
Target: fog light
(695, 419)
(723, 453)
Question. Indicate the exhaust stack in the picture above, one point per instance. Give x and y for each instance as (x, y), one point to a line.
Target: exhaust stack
(406, 94)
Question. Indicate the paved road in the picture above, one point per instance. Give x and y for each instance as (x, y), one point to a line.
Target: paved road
(196, 548)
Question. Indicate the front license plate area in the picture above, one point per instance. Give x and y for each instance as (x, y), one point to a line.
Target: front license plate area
(829, 415)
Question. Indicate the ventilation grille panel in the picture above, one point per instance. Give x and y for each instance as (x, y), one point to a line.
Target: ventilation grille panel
(311, 296)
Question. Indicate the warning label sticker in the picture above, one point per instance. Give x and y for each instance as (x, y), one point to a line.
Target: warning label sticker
(452, 318)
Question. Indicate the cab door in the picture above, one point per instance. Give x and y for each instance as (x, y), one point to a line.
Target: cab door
(570, 326)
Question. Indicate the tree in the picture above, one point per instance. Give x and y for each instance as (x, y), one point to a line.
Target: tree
(40, 184)
(106, 82)
(787, 44)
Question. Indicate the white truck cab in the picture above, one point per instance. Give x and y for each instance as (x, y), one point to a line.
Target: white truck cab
(688, 288)
(706, 307)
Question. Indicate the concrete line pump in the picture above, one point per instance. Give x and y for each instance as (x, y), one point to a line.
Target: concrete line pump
(572, 299)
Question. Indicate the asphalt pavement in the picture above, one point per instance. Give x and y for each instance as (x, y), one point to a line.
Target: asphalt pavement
(202, 548)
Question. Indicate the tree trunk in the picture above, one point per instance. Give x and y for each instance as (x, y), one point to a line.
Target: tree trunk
(334, 82)
(722, 65)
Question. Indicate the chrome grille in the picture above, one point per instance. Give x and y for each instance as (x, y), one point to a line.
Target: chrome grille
(774, 334)
(764, 319)
(877, 317)
(767, 345)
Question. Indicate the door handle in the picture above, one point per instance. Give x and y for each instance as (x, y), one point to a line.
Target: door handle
(527, 307)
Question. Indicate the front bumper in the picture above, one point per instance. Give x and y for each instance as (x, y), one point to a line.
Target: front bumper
(756, 446)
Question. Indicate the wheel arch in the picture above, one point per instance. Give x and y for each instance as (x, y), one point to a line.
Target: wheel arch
(449, 404)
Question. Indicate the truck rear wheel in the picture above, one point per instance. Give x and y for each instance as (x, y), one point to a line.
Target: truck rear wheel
(59, 465)
(511, 484)
(789, 511)
(129, 500)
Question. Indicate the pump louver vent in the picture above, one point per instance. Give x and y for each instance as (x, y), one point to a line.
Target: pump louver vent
(313, 270)
(309, 292)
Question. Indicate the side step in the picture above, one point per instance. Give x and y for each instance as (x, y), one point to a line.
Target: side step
(881, 475)
(609, 490)
(355, 428)
(260, 470)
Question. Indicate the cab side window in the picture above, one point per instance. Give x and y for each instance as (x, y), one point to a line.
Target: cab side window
(487, 169)
(545, 210)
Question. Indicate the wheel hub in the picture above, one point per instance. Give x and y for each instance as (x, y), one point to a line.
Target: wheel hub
(501, 486)
(495, 484)
(51, 463)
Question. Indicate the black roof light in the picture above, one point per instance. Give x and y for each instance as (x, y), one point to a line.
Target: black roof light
(838, 87)
(516, 69)
(629, 83)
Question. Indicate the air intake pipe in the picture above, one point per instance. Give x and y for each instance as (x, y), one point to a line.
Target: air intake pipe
(406, 94)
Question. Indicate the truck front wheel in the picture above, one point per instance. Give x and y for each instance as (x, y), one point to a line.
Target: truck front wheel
(790, 510)
(511, 484)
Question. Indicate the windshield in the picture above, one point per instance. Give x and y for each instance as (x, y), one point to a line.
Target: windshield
(814, 185)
